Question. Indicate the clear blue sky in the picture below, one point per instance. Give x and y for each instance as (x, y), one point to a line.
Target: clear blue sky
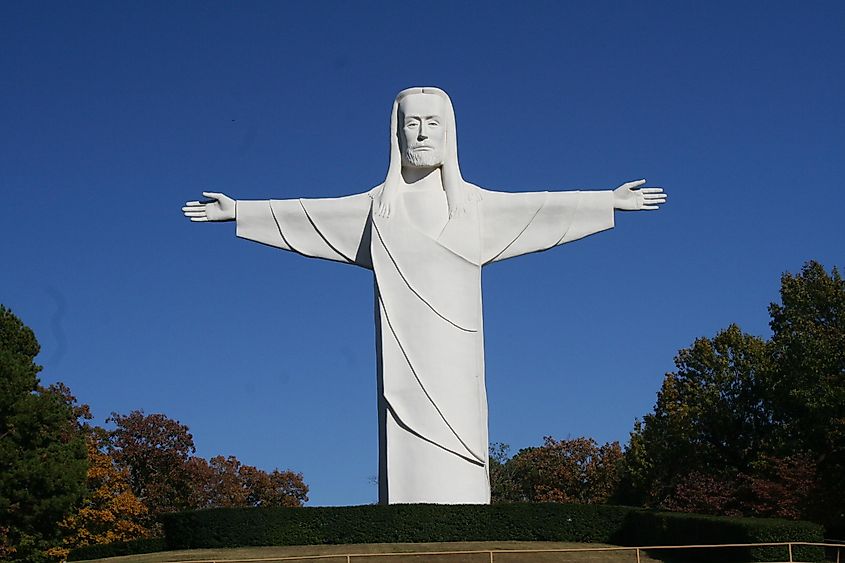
(112, 114)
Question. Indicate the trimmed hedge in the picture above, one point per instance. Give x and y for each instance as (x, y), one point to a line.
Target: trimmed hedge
(236, 527)
(675, 528)
(620, 525)
(116, 549)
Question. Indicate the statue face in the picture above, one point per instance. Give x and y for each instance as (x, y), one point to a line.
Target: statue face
(422, 131)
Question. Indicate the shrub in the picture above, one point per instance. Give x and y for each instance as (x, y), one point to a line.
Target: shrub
(395, 523)
(236, 527)
(675, 528)
(116, 549)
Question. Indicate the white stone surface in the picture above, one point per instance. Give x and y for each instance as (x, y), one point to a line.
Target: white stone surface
(426, 234)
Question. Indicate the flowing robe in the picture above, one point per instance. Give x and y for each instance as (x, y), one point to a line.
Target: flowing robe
(432, 397)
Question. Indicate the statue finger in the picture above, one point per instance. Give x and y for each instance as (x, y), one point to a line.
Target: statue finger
(655, 198)
(650, 207)
(652, 190)
(199, 219)
(214, 195)
(194, 203)
(195, 213)
(193, 207)
(632, 185)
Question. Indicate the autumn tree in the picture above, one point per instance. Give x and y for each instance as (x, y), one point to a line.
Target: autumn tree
(215, 483)
(785, 486)
(110, 512)
(276, 488)
(154, 450)
(226, 482)
(571, 471)
(42, 455)
(157, 453)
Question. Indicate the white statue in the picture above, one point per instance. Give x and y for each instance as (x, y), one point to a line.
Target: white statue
(426, 233)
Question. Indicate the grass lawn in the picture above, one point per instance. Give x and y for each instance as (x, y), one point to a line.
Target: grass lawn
(398, 548)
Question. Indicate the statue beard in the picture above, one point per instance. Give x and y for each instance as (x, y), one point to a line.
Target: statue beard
(422, 159)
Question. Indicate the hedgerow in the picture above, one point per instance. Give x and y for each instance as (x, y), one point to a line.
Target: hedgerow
(619, 525)
(418, 523)
(99, 551)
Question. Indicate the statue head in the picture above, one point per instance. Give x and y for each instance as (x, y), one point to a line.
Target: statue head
(423, 135)
(422, 131)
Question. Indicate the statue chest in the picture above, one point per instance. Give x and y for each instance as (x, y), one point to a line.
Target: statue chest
(427, 210)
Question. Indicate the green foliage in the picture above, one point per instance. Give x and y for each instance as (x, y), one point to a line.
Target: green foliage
(808, 347)
(672, 528)
(117, 549)
(504, 486)
(754, 427)
(394, 523)
(712, 416)
(442, 523)
(42, 451)
(743, 426)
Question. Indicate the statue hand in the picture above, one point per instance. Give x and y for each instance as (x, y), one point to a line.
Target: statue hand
(220, 208)
(628, 198)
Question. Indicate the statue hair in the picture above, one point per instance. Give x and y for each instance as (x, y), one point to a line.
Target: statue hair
(457, 193)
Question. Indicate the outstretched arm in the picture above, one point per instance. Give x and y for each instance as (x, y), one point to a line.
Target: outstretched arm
(514, 224)
(332, 228)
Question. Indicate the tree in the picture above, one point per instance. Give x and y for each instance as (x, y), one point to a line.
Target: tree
(712, 417)
(110, 512)
(503, 484)
(217, 482)
(572, 471)
(277, 488)
(42, 454)
(154, 450)
(754, 427)
(226, 482)
(780, 487)
(808, 349)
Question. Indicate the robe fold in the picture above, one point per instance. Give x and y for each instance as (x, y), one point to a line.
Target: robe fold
(429, 326)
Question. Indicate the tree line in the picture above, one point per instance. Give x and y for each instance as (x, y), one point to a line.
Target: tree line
(67, 483)
(744, 426)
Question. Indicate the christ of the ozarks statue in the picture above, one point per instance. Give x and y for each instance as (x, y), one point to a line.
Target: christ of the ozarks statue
(426, 233)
